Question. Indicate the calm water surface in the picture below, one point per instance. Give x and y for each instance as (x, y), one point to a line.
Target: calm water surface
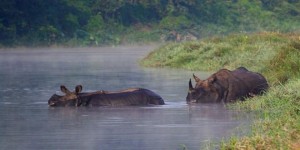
(29, 77)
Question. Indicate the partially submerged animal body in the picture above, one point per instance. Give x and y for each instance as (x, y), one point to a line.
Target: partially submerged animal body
(128, 97)
(227, 86)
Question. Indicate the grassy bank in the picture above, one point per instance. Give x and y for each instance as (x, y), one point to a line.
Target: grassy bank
(278, 126)
(275, 55)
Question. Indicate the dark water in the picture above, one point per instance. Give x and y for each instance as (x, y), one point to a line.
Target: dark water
(29, 77)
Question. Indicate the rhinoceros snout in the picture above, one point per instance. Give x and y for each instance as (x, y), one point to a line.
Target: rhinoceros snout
(51, 104)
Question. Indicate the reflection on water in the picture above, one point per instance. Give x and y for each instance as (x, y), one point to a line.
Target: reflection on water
(30, 77)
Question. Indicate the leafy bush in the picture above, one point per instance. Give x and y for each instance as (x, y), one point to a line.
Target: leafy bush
(175, 23)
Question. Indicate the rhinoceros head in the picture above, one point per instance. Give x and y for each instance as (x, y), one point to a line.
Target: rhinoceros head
(204, 91)
(69, 99)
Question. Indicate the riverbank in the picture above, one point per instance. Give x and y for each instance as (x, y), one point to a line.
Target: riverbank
(274, 55)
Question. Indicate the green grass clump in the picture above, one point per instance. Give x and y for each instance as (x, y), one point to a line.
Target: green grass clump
(275, 55)
(278, 126)
(261, 52)
(285, 64)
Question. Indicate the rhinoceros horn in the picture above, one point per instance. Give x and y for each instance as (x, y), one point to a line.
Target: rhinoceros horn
(190, 85)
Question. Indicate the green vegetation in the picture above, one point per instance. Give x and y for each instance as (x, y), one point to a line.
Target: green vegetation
(278, 125)
(275, 55)
(100, 22)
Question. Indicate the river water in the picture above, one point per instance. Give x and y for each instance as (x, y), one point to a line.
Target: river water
(28, 77)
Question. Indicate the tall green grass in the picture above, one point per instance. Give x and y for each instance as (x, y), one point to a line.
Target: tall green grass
(278, 124)
(275, 55)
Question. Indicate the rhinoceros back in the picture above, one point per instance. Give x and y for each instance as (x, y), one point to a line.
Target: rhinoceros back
(153, 98)
(255, 82)
(126, 97)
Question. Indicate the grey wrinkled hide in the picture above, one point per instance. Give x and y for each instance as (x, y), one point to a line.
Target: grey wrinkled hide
(128, 97)
(227, 86)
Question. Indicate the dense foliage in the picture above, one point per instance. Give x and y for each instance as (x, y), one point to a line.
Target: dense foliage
(94, 22)
(273, 54)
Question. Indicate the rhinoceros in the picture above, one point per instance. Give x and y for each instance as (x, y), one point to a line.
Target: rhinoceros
(128, 97)
(227, 86)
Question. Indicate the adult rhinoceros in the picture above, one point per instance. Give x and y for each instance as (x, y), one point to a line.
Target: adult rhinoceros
(226, 86)
(133, 96)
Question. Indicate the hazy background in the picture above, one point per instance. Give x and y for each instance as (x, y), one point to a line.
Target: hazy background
(106, 22)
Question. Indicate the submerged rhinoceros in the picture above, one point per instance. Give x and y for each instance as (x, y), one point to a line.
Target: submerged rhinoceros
(226, 86)
(133, 96)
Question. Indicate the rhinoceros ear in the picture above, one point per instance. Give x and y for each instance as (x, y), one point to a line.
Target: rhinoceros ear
(196, 78)
(64, 89)
(78, 89)
(190, 85)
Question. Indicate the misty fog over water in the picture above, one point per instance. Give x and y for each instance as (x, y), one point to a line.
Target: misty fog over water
(29, 77)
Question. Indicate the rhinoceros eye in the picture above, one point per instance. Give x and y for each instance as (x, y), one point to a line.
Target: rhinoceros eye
(194, 94)
(200, 91)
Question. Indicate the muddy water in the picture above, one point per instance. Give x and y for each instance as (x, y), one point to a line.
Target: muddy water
(29, 77)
